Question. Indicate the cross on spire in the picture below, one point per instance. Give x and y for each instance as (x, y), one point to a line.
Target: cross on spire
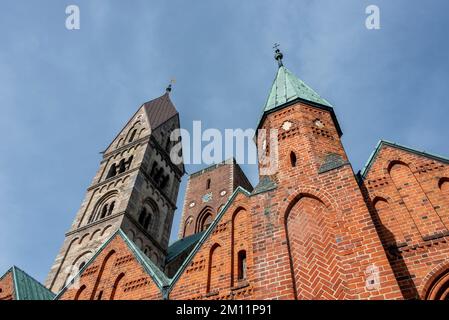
(278, 54)
(169, 88)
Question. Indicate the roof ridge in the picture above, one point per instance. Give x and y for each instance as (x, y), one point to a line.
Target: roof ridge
(138, 253)
(364, 171)
(31, 277)
(205, 236)
(43, 292)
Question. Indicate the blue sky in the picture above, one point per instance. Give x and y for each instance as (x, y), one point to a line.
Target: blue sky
(65, 94)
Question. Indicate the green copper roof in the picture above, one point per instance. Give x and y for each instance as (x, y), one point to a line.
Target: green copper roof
(28, 288)
(287, 87)
(178, 247)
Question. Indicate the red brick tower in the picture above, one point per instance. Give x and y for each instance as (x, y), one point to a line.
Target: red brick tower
(207, 192)
(316, 218)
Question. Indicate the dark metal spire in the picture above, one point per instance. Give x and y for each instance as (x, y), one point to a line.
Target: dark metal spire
(278, 54)
(169, 88)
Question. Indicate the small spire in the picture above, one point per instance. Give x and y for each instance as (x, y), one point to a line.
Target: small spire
(169, 88)
(278, 54)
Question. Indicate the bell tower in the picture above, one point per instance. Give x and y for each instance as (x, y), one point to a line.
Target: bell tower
(135, 189)
(317, 204)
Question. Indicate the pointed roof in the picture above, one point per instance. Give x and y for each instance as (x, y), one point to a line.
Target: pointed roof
(28, 288)
(287, 87)
(364, 172)
(205, 235)
(181, 245)
(159, 277)
(160, 110)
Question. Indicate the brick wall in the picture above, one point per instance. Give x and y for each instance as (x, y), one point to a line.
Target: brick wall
(410, 206)
(213, 271)
(7, 287)
(224, 178)
(115, 274)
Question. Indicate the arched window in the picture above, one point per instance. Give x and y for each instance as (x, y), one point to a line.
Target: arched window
(293, 159)
(111, 208)
(104, 207)
(208, 184)
(148, 214)
(121, 166)
(188, 227)
(133, 134)
(443, 184)
(128, 162)
(206, 222)
(142, 216)
(104, 211)
(82, 264)
(112, 171)
(241, 265)
(147, 222)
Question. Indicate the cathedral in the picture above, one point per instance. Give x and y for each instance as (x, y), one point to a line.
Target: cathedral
(312, 229)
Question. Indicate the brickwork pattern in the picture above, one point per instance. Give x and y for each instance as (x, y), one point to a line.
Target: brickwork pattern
(409, 202)
(7, 287)
(115, 274)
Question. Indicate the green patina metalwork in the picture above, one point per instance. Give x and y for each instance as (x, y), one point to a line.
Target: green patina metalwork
(178, 247)
(287, 87)
(26, 287)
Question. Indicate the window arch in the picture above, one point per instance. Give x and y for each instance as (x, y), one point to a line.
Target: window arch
(115, 286)
(443, 184)
(204, 219)
(79, 292)
(133, 135)
(438, 289)
(188, 226)
(112, 171)
(214, 268)
(104, 207)
(148, 215)
(120, 167)
(422, 212)
(206, 222)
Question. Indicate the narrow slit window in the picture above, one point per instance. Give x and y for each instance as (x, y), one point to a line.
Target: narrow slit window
(208, 184)
(293, 159)
(241, 265)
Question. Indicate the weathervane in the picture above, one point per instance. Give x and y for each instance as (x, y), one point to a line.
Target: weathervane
(172, 81)
(278, 54)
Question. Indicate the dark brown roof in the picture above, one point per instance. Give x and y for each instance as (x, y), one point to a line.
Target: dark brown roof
(160, 110)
